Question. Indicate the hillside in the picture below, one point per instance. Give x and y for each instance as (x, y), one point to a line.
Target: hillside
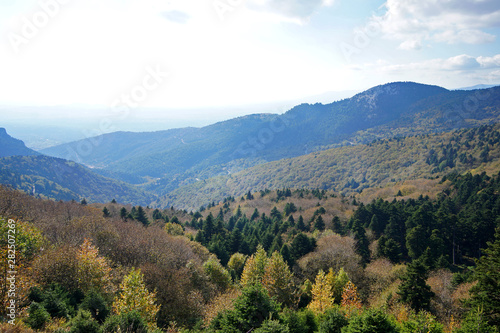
(10, 146)
(353, 169)
(58, 179)
(181, 156)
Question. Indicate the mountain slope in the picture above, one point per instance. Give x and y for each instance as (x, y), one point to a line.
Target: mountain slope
(351, 169)
(59, 179)
(227, 147)
(10, 146)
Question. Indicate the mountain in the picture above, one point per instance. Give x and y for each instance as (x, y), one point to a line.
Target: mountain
(182, 155)
(353, 169)
(58, 179)
(479, 86)
(10, 146)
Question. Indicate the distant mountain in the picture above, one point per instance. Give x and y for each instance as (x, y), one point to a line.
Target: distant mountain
(58, 179)
(10, 146)
(181, 156)
(479, 86)
(357, 168)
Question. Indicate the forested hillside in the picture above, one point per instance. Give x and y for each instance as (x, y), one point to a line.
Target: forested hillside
(315, 262)
(13, 147)
(180, 157)
(353, 169)
(54, 178)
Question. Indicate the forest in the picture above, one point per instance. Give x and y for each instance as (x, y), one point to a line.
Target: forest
(415, 263)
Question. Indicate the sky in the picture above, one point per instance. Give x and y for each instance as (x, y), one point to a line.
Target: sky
(181, 55)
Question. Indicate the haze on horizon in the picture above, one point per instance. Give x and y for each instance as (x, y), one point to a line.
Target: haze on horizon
(76, 62)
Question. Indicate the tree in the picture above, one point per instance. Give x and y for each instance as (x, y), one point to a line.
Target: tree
(251, 309)
(322, 295)
(350, 298)
(123, 213)
(371, 321)
(141, 216)
(255, 268)
(94, 272)
(237, 263)
(217, 274)
(105, 212)
(362, 243)
(486, 293)
(413, 289)
(278, 280)
(319, 224)
(135, 297)
(301, 245)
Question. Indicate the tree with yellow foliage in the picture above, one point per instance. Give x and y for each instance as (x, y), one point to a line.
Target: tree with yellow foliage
(94, 272)
(322, 295)
(278, 280)
(135, 297)
(255, 267)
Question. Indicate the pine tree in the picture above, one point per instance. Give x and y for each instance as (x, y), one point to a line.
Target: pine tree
(255, 268)
(362, 244)
(486, 293)
(123, 213)
(413, 289)
(319, 224)
(300, 224)
(105, 212)
(141, 216)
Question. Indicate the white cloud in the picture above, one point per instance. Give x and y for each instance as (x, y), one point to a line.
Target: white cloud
(411, 45)
(300, 10)
(451, 21)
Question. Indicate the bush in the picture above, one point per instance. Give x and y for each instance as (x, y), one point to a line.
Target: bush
(84, 323)
(96, 305)
(126, 322)
(38, 316)
(332, 321)
(272, 326)
(371, 321)
(299, 321)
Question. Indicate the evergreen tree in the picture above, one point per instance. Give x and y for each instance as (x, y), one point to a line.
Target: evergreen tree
(300, 224)
(141, 216)
(486, 293)
(362, 243)
(123, 213)
(413, 289)
(319, 224)
(105, 212)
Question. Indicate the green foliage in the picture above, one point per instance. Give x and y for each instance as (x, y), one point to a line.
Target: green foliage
(38, 316)
(486, 293)
(84, 323)
(370, 321)
(59, 179)
(421, 322)
(95, 304)
(303, 321)
(272, 326)
(251, 309)
(332, 321)
(476, 321)
(125, 322)
(413, 289)
(217, 274)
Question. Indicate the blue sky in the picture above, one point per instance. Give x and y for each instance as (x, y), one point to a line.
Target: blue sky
(181, 54)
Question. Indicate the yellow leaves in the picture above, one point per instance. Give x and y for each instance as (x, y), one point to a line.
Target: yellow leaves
(93, 271)
(135, 297)
(322, 295)
(173, 229)
(254, 269)
(278, 280)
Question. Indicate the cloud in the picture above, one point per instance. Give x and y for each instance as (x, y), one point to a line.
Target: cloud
(295, 9)
(176, 16)
(452, 21)
(458, 63)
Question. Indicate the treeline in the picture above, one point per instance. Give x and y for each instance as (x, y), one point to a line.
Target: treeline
(392, 266)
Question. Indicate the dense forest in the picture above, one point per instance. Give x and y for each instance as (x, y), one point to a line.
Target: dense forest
(400, 264)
